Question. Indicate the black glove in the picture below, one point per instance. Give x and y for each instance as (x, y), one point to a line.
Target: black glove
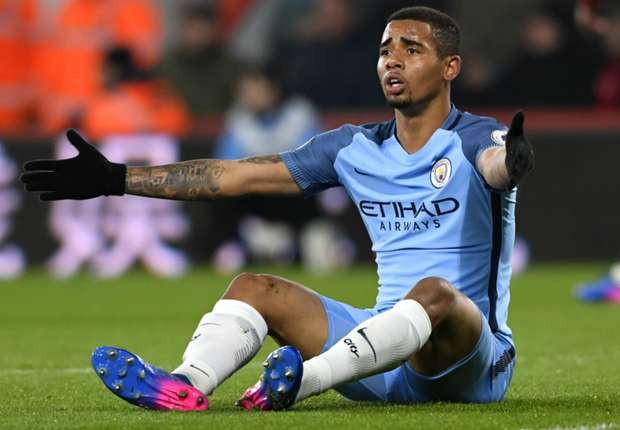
(519, 152)
(85, 176)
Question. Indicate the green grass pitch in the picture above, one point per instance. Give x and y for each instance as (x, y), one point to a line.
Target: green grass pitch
(567, 375)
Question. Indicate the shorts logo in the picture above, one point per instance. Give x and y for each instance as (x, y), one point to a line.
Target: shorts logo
(499, 136)
(441, 172)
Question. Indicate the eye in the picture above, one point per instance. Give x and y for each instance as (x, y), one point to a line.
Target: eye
(412, 50)
(384, 52)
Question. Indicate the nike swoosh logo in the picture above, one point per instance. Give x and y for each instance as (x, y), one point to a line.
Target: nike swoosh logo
(361, 332)
(199, 369)
(359, 172)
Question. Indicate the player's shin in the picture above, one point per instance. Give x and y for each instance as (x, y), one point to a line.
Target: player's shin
(225, 339)
(377, 345)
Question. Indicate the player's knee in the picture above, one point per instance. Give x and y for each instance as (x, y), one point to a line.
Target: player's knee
(250, 287)
(436, 295)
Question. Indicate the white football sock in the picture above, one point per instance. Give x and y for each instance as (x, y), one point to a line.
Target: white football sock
(226, 339)
(614, 273)
(379, 344)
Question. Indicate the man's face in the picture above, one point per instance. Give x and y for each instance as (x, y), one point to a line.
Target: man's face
(409, 68)
(257, 93)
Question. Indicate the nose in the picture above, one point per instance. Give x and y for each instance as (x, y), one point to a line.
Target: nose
(394, 62)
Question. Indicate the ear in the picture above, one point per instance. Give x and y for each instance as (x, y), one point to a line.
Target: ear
(452, 67)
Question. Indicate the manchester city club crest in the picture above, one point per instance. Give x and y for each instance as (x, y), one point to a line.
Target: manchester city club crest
(440, 175)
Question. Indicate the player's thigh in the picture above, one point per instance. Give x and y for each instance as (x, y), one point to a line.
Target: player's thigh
(456, 322)
(294, 314)
(482, 376)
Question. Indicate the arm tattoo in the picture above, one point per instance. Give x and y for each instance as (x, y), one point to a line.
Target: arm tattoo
(189, 180)
(267, 159)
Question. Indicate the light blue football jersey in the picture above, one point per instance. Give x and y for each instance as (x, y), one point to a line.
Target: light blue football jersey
(429, 213)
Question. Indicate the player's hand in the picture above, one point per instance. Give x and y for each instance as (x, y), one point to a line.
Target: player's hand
(519, 152)
(85, 176)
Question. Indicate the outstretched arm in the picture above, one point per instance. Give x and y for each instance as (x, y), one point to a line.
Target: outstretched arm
(504, 167)
(491, 165)
(90, 174)
(210, 179)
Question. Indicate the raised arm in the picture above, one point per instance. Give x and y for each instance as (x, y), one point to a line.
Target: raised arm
(211, 179)
(90, 174)
(504, 167)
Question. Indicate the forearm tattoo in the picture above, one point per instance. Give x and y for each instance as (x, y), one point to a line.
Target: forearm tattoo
(266, 159)
(189, 180)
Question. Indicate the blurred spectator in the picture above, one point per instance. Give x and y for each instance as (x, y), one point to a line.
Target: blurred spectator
(589, 17)
(546, 69)
(332, 58)
(133, 100)
(474, 85)
(491, 28)
(198, 66)
(265, 120)
(17, 27)
(257, 37)
(607, 84)
(603, 19)
(71, 46)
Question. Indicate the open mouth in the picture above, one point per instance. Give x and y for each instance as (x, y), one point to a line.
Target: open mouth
(394, 85)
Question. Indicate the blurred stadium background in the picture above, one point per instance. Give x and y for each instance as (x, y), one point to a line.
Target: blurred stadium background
(158, 81)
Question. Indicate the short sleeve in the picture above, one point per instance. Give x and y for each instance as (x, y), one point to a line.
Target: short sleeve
(478, 134)
(312, 164)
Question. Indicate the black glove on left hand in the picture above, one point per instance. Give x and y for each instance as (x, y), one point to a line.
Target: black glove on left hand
(519, 152)
(85, 176)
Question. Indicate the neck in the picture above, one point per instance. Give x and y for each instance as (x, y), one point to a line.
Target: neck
(414, 127)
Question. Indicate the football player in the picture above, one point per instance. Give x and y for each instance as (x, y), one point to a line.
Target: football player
(436, 189)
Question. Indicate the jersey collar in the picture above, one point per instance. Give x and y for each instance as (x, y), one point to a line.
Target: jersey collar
(452, 119)
(454, 116)
(398, 151)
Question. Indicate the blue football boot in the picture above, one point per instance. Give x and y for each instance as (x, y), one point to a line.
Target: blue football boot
(141, 384)
(279, 384)
(603, 290)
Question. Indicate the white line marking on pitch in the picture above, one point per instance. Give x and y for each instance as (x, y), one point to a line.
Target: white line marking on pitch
(78, 370)
(32, 371)
(602, 426)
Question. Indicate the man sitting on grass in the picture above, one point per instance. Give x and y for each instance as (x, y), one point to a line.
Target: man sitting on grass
(436, 188)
